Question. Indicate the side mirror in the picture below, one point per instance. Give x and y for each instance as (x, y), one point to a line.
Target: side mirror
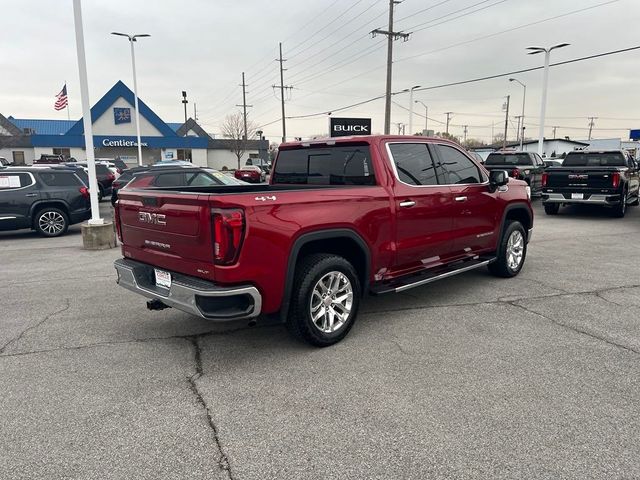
(498, 178)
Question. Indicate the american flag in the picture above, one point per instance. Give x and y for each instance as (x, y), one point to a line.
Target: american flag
(61, 99)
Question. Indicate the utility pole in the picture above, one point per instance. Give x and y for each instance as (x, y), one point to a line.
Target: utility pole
(465, 133)
(282, 88)
(518, 130)
(391, 36)
(591, 124)
(554, 132)
(401, 127)
(195, 112)
(506, 123)
(184, 102)
(244, 105)
(448, 114)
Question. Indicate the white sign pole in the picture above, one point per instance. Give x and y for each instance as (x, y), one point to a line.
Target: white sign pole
(135, 95)
(86, 116)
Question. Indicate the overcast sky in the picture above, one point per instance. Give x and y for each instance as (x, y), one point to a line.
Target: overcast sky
(202, 46)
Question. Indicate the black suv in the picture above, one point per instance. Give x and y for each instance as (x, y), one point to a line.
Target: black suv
(103, 175)
(47, 200)
(525, 166)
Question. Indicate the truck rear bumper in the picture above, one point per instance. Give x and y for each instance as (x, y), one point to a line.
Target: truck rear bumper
(591, 199)
(191, 294)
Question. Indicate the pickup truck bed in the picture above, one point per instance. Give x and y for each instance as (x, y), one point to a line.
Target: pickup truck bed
(341, 218)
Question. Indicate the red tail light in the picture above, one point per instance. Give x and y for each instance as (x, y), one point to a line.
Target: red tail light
(615, 179)
(515, 173)
(228, 231)
(84, 191)
(545, 179)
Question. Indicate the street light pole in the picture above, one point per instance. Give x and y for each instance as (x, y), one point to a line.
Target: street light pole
(521, 123)
(132, 38)
(545, 81)
(426, 114)
(411, 108)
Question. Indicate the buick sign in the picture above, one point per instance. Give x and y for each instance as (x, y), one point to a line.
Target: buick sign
(342, 127)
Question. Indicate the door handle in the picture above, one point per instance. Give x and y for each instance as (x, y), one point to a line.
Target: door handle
(31, 195)
(461, 199)
(407, 203)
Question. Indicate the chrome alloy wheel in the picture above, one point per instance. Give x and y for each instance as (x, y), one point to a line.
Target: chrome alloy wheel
(331, 302)
(515, 250)
(51, 223)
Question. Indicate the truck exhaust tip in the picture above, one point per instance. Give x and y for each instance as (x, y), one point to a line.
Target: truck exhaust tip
(156, 305)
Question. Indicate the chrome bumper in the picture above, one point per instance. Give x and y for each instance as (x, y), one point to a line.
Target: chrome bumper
(190, 294)
(595, 199)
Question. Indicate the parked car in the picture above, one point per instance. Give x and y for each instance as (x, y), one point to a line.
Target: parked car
(525, 166)
(120, 164)
(251, 174)
(607, 177)
(104, 176)
(477, 157)
(340, 218)
(551, 163)
(49, 159)
(46, 200)
(4, 162)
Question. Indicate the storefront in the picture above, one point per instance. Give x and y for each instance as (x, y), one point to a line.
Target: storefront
(114, 135)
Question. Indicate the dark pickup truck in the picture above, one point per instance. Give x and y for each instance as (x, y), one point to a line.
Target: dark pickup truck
(527, 166)
(608, 178)
(339, 219)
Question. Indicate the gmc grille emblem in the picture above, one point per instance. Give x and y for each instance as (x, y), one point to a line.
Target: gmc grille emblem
(153, 218)
(578, 177)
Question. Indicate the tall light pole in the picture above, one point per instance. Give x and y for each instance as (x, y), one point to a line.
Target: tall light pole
(86, 115)
(545, 80)
(426, 113)
(132, 39)
(521, 122)
(411, 108)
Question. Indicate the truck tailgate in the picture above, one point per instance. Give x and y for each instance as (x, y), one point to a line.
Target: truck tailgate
(166, 224)
(581, 178)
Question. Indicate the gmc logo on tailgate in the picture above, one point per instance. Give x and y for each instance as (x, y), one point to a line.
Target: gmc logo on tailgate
(578, 177)
(153, 218)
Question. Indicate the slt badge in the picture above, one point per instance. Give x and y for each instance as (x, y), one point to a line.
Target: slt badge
(264, 199)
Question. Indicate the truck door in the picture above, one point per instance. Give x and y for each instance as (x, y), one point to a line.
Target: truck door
(423, 207)
(474, 207)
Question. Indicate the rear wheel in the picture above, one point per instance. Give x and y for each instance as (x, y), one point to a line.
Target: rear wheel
(512, 251)
(100, 193)
(551, 208)
(325, 305)
(51, 222)
(621, 209)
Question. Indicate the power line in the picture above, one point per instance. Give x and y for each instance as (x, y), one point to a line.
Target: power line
(413, 28)
(423, 10)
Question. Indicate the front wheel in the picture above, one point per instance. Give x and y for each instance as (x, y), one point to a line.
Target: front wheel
(325, 305)
(512, 251)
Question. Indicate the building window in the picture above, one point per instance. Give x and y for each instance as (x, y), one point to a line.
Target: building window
(254, 155)
(18, 157)
(185, 154)
(65, 152)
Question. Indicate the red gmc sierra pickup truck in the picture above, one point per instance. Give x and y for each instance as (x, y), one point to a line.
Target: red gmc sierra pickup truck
(340, 218)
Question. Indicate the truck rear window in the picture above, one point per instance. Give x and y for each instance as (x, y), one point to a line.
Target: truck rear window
(594, 159)
(339, 165)
(514, 159)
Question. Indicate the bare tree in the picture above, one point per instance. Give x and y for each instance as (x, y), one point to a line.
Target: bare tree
(233, 130)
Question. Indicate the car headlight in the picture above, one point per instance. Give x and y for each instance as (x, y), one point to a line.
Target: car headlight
(528, 189)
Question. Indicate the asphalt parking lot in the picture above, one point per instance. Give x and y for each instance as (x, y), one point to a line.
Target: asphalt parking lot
(472, 377)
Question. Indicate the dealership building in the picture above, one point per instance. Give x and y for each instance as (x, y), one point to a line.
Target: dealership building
(114, 135)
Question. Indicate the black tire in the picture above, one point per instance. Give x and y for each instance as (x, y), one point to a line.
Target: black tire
(100, 193)
(551, 208)
(309, 272)
(503, 267)
(51, 222)
(620, 210)
(636, 202)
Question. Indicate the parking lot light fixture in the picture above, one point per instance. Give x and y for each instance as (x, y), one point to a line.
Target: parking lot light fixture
(524, 96)
(426, 113)
(545, 80)
(132, 39)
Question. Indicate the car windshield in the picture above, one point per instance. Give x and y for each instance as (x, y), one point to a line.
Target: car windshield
(594, 159)
(508, 159)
